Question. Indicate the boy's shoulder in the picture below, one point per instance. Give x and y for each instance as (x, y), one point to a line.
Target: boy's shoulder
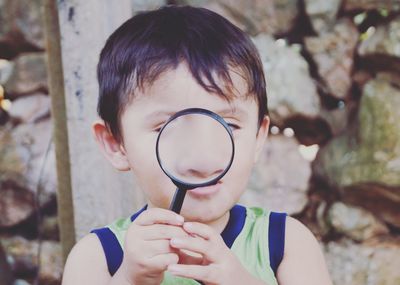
(298, 236)
(87, 254)
(303, 256)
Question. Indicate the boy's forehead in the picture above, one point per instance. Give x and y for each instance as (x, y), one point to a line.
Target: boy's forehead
(178, 82)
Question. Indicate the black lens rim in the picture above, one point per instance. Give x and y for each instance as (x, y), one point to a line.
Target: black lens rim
(182, 184)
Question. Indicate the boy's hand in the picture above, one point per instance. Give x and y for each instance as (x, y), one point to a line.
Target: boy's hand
(218, 264)
(147, 250)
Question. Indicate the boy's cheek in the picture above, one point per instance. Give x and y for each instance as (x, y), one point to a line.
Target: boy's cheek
(244, 149)
(141, 153)
(159, 194)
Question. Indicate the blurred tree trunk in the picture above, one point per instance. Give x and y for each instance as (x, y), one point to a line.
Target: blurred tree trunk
(60, 133)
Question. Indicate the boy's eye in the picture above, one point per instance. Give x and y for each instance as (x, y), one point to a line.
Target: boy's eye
(158, 128)
(233, 127)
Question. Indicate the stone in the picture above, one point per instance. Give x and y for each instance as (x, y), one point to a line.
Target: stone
(27, 159)
(323, 226)
(363, 163)
(355, 222)
(24, 255)
(31, 108)
(6, 69)
(361, 77)
(309, 131)
(353, 264)
(4, 117)
(5, 270)
(21, 23)
(383, 40)
(16, 205)
(392, 78)
(279, 184)
(51, 264)
(290, 89)
(2, 15)
(337, 119)
(29, 74)
(333, 54)
(49, 228)
(380, 199)
(21, 282)
(237, 19)
(322, 14)
(391, 5)
(143, 5)
(261, 16)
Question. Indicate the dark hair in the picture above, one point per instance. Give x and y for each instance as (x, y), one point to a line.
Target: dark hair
(152, 42)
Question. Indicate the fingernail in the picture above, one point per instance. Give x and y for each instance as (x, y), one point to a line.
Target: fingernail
(176, 241)
(180, 219)
(173, 269)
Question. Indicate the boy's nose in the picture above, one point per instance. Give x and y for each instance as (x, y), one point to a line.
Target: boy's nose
(204, 154)
(199, 167)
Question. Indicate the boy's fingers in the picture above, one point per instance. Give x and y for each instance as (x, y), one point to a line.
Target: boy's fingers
(197, 245)
(156, 247)
(159, 231)
(148, 249)
(199, 272)
(199, 229)
(159, 216)
(189, 259)
(162, 261)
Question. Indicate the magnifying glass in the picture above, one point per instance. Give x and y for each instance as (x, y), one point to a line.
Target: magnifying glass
(194, 148)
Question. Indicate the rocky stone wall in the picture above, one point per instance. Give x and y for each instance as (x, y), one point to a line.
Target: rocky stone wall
(332, 159)
(28, 221)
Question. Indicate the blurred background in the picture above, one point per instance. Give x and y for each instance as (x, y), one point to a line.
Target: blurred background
(332, 159)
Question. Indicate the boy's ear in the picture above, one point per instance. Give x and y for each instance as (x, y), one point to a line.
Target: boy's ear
(261, 137)
(110, 147)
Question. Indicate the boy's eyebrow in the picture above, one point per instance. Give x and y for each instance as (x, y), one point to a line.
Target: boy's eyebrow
(157, 114)
(224, 112)
(232, 111)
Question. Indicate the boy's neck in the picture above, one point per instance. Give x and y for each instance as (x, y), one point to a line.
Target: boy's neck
(219, 224)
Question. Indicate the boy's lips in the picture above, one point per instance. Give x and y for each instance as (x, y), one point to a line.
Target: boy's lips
(205, 191)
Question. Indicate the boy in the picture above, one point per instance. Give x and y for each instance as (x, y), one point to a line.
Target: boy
(154, 65)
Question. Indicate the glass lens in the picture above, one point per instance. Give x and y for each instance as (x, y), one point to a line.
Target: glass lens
(194, 148)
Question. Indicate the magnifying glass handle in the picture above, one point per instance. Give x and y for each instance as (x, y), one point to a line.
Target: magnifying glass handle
(177, 201)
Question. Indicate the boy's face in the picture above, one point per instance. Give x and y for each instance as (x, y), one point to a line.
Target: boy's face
(176, 90)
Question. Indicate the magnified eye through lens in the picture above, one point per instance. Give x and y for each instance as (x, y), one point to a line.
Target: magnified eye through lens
(195, 147)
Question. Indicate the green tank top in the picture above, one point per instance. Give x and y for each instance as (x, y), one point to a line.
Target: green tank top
(250, 244)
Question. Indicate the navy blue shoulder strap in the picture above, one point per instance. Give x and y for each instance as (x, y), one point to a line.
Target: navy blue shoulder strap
(112, 249)
(276, 239)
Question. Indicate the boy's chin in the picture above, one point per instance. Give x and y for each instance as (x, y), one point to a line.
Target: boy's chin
(203, 214)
